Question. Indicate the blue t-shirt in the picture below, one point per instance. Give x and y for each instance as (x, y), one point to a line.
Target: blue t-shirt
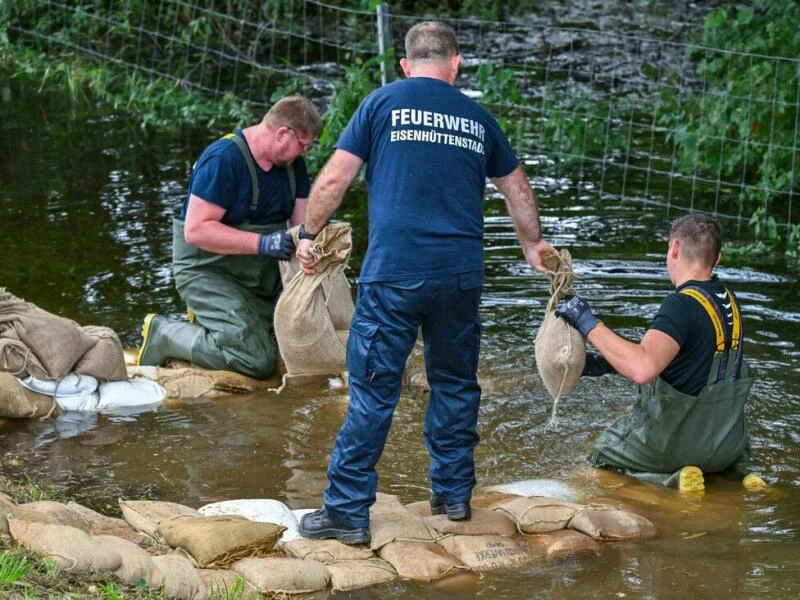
(428, 150)
(221, 176)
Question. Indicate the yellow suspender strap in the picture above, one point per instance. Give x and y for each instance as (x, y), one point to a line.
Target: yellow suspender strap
(712, 313)
(737, 321)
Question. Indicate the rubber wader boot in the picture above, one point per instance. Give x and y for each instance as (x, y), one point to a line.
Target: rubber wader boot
(162, 340)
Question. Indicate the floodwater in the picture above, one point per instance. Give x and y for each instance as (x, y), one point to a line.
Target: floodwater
(84, 222)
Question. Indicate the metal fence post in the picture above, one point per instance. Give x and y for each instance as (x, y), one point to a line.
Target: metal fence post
(384, 43)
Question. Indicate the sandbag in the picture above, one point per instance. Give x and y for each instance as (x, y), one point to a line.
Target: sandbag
(179, 579)
(263, 510)
(418, 561)
(137, 564)
(7, 507)
(70, 548)
(611, 524)
(36, 342)
(313, 313)
(220, 540)
(559, 348)
(562, 543)
(355, 574)
(391, 521)
(105, 360)
(487, 552)
(18, 402)
(482, 522)
(325, 551)
(538, 514)
(49, 511)
(146, 515)
(99, 524)
(283, 575)
(224, 583)
(188, 383)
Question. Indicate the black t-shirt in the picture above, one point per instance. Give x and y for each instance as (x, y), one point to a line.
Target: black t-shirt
(686, 321)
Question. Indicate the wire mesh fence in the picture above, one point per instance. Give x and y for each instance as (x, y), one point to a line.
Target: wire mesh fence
(597, 115)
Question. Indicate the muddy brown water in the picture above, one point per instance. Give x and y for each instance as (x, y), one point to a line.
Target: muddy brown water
(84, 211)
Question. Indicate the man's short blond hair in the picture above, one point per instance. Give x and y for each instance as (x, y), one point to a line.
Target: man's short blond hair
(295, 112)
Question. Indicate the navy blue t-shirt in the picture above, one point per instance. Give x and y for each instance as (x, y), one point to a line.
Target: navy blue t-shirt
(221, 176)
(428, 150)
(685, 320)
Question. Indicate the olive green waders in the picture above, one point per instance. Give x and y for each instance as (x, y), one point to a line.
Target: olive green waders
(668, 430)
(233, 299)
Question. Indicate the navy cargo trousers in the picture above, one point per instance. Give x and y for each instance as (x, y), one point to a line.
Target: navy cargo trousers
(383, 332)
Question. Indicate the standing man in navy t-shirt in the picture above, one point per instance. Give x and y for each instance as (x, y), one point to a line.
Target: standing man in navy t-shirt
(227, 239)
(428, 150)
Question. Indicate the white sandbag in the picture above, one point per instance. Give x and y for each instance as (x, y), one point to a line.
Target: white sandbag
(40, 386)
(77, 393)
(263, 510)
(129, 396)
(551, 488)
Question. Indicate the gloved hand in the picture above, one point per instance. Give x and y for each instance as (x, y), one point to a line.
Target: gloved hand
(278, 244)
(576, 311)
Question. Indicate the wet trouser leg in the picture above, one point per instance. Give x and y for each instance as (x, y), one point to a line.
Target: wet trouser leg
(382, 333)
(237, 324)
(451, 332)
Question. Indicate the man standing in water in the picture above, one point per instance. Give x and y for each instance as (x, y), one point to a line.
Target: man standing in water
(429, 150)
(693, 382)
(227, 240)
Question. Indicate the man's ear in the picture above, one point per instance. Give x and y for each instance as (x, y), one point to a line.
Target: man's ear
(404, 64)
(675, 248)
(455, 63)
(719, 257)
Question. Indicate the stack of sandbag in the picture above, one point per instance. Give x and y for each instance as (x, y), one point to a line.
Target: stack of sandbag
(559, 348)
(39, 349)
(313, 313)
(188, 382)
(188, 552)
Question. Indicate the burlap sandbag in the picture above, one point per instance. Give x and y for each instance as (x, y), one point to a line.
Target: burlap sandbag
(356, 574)
(418, 561)
(538, 514)
(313, 313)
(99, 524)
(562, 543)
(179, 579)
(36, 342)
(283, 575)
(49, 511)
(482, 522)
(7, 507)
(71, 548)
(146, 515)
(611, 524)
(220, 540)
(137, 564)
(487, 552)
(325, 551)
(18, 402)
(559, 348)
(105, 360)
(390, 521)
(189, 383)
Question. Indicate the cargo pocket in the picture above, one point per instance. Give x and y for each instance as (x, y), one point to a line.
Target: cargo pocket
(360, 347)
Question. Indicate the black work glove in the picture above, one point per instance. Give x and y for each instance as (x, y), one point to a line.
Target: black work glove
(576, 311)
(596, 365)
(278, 244)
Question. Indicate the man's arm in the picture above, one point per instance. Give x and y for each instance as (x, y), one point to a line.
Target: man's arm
(524, 211)
(203, 228)
(299, 211)
(640, 362)
(325, 197)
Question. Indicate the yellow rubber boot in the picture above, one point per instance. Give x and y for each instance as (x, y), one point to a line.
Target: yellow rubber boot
(691, 479)
(753, 483)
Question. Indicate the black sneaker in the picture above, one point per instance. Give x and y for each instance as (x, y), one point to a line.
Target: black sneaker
(459, 511)
(319, 526)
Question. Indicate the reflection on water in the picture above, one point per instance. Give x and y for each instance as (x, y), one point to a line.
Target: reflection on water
(85, 211)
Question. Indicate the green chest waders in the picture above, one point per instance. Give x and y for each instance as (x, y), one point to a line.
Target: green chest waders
(232, 296)
(668, 430)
